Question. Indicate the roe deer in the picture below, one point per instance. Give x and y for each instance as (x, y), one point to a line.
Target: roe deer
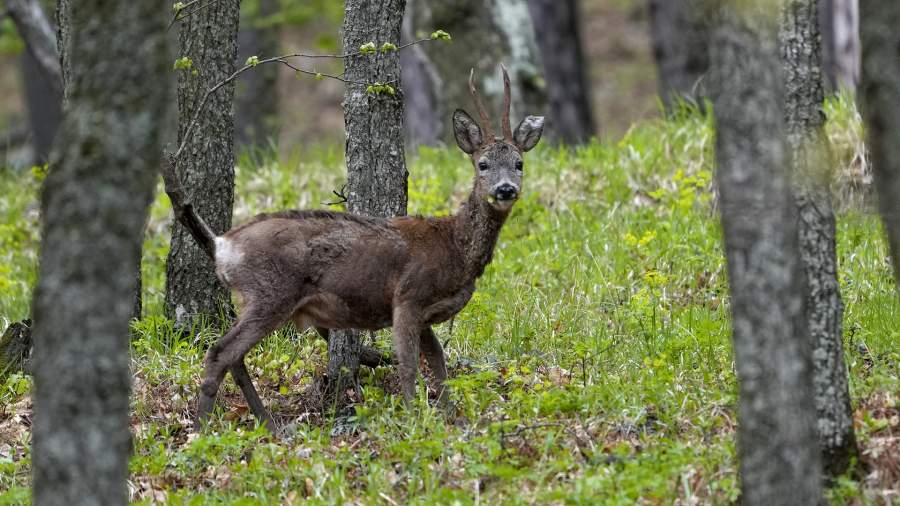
(332, 270)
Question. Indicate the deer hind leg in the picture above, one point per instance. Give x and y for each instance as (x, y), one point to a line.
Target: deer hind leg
(434, 356)
(407, 330)
(255, 324)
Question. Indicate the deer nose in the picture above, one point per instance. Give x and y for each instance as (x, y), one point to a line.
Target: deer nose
(506, 192)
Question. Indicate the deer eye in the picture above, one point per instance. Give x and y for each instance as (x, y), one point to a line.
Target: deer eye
(519, 165)
(483, 166)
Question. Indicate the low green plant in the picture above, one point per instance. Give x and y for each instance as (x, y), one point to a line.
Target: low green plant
(593, 364)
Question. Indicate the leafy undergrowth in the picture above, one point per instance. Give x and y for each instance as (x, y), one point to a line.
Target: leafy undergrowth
(593, 364)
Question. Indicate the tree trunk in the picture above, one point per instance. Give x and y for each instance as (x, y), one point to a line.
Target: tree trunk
(15, 348)
(777, 439)
(41, 74)
(256, 92)
(376, 165)
(558, 34)
(681, 48)
(93, 206)
(44, 102)
(63, 32)
(485, 33)
(209, 38)
(804, 118)
(35, 29)
(879, 20)
(421, 92)
(841, 50)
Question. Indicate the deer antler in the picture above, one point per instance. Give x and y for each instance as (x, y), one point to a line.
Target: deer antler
(507, 130)
(485, 118)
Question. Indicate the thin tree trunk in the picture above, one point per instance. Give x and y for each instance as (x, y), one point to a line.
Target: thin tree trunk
(43, 98)
(558, 34)
(206, 166)
(41, 73)
(256, 93)
(485, 33)
(804, 118)
(35, 29)
(94, 204)
(63, 32)
(421, 92)
(777, 439)
(841, 49)
(681, 48)
(880, 88)
(376, 165)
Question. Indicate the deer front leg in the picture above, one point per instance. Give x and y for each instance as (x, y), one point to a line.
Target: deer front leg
(242, 378)
(407, 329)
(434, 355)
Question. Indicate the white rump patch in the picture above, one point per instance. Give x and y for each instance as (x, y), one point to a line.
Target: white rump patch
(227, 256)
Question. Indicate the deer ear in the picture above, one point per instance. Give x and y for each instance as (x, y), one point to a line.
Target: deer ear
(529, 132)
(468, 133)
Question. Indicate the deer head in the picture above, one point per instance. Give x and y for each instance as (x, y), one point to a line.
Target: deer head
(498, 160)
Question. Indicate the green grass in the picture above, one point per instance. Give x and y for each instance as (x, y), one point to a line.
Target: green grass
(592, 366)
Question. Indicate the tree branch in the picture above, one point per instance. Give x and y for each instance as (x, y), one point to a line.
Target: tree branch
(39, 37)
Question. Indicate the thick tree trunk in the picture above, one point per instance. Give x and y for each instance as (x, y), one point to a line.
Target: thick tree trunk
(206, 166)
(880, 88)
(804, 118)
(681, 48)
(777, 439)
(376, 165)
(94, 204)
(256, 92)
(421, 92)
(558, 34)
(841, 50)
(485, 33)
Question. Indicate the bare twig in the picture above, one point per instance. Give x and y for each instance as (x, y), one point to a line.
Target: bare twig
(178, 13)
(342, 197)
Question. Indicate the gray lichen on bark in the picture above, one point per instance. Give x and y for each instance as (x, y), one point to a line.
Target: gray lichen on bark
(804, 96)
(209, 38)
(779, 461)
(94, 203)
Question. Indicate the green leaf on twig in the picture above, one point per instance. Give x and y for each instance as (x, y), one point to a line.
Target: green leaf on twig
(367, 48)
(380, 88)
(387, 46)
(178, 7)
(183, 63)
(440, 35)
(319, 76)
(252, 61)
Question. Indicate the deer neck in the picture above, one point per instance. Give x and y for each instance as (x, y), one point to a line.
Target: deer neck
(477, 226)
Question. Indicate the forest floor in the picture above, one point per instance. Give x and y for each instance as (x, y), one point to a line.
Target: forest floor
(593, 365)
